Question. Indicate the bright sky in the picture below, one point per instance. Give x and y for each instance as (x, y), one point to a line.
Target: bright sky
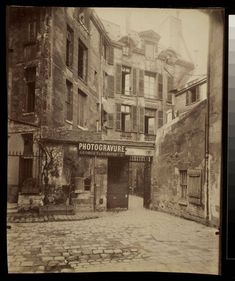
(195, 26)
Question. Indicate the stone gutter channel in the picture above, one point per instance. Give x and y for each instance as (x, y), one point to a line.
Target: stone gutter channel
(35, 218)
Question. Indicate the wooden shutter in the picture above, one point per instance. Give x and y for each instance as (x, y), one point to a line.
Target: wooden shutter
(197, 93)
(194, 186)
(110, 86)
(141, 83)
(160, 86)
(160, 118)
(118, 79)
(134, 81)
(134, 118)
(110, 55)
(110, 120)
(187, 97)
(23, 94)
(141, 118)
(118, 117)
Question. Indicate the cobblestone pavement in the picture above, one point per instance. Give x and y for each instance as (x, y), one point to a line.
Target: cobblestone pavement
(133, 240)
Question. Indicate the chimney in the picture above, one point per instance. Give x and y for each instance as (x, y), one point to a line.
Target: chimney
(175, 32)
(128, 21)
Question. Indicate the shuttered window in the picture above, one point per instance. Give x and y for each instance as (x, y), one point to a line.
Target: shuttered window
(149, 85)
(160, 86)
(118, 78)
(111, 55)
(141, 120)
(194, 186)
(192, 95)
(69, 47)
(126, 80)
(82, 60)
(69, 101)
(141, 83)
(118, 117)
(81, 108)
(134, 91)
(160, 118)
(134, 118)
(149, 120)
(169, 89)
(110, 84)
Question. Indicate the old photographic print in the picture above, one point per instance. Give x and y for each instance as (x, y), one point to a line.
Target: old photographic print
(114, 139)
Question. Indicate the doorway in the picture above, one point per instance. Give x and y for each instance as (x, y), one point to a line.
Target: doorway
(118, 188)
(140, 184)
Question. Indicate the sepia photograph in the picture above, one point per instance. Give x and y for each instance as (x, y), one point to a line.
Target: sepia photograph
(114, 139)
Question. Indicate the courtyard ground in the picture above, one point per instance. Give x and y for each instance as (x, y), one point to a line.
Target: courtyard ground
(133, 240)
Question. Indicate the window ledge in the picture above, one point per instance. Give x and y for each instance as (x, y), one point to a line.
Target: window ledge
(28, 113)
(183, 203)
(82, 128)
(69, 122)
(70, 68)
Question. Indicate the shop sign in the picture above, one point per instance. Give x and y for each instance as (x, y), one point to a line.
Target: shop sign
(101, 149)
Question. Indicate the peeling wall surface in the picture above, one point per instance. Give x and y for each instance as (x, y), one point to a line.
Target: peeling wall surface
(180, 145)
(215, 112)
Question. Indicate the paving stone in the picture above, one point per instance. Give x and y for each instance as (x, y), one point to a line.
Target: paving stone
(108, 251)
(97, 251)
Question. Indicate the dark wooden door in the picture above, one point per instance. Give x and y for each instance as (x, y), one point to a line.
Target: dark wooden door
(118, 189)
(147, 184)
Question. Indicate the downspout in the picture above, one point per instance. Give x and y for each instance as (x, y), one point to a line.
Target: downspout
(207, 127)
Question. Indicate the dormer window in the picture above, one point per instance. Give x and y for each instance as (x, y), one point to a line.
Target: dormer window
(125, 51)
(149, 51)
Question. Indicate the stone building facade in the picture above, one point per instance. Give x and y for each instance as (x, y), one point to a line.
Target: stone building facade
(84, 108)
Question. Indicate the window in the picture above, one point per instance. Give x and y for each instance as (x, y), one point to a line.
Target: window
(30, 77)
(192, 96)
(126, 81)
(160, 86)
(69, 101)
(149, 85)
(81, 109)
(87, 184)
(125, 51)
(125, 118)
(82, 60)
(149, 120)
(32, 32)
(149, 51)
(69, 47)
(28, 144)
(183, 184)
(105, 85)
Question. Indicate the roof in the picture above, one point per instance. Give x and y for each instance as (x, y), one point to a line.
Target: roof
(191, 84)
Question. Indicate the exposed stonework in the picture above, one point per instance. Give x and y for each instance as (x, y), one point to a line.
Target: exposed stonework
(180, 146)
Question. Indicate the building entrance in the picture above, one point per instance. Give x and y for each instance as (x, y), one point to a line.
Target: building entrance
(118, 187)
(140, 179)
(128, 176)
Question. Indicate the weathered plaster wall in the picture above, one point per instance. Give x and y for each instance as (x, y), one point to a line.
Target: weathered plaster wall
(215, 111)
(180, 146)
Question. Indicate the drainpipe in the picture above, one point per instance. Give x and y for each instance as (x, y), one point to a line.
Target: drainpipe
(207, 127)
(94, 201)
